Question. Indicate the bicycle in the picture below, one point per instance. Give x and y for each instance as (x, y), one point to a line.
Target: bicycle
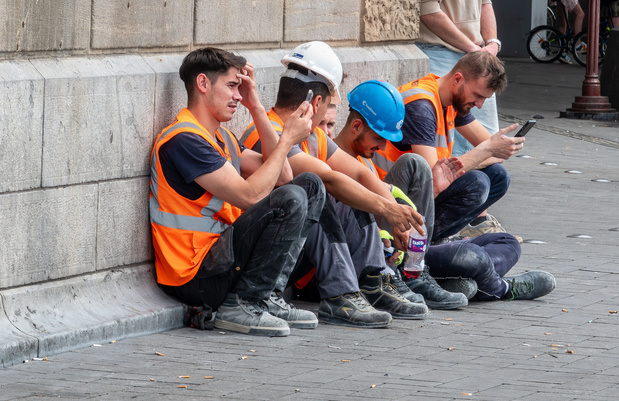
(545, 44)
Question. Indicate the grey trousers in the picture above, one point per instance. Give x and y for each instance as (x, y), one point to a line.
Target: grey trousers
(343, 246)
(413, 175)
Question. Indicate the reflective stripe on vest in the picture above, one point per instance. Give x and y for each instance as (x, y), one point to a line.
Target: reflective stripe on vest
(206, 223)
(368, 163)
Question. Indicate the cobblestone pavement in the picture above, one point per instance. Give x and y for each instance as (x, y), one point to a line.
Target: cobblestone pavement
(561, 347)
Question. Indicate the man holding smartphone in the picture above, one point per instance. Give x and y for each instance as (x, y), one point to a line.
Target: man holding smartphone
(346, 242)
(434, 107)
(474, 266)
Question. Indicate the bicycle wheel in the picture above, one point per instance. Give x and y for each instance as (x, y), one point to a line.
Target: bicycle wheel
(580, 48)
(544, 44)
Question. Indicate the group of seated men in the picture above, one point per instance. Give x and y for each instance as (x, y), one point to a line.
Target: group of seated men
(237, 222)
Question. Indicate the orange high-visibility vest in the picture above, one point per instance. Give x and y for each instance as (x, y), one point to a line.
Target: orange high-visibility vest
(423, 88)
(369, 164)
(183, 229)
(315, 145)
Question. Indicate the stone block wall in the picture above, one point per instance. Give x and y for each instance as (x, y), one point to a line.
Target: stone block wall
(86, 86)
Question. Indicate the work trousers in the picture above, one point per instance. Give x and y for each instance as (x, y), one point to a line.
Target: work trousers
(262, 245)
(413, 175)
(466, 198)
(485, 259)
(343, 246)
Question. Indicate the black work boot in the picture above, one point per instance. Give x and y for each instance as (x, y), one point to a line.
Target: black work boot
(434, 295)
(352, 310)
(383, 295)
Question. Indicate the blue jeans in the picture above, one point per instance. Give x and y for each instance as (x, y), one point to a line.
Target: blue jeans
(260, 248)
(485, 259)
(442, 60)
(466, 198)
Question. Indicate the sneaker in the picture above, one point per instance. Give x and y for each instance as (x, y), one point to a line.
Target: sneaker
(435, 296)
(490, 225)
(466, 286)
(242, 316)
(351, 310)
(565, 59)
(296, 318)
(383, 295)
(404, 290)
(530, 285)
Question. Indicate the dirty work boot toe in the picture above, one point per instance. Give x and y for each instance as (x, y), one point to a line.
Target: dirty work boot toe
(405, 291)
(352, 310)
(435, 296)
(382, 295)
(530, 285)
(466, 286)
(296, 318)
(242, 316)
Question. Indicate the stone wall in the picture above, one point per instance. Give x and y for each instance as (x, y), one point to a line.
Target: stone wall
(85, 87)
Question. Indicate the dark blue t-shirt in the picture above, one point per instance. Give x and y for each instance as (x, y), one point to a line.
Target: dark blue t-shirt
(420, 124)
(186, 157)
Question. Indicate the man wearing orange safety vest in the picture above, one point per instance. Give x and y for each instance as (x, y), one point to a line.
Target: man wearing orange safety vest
(345, 246)
(472, 267)
(434, 107)
(224, 239)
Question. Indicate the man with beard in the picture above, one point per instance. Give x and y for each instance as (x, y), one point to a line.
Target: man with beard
(434, 107)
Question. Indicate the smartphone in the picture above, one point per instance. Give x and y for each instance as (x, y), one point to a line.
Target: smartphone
(308, 98)
(525, 128)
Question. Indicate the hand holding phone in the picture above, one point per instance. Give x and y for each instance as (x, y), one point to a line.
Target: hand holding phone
(525, 128)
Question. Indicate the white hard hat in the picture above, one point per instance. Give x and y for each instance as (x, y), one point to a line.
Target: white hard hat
(321, 61)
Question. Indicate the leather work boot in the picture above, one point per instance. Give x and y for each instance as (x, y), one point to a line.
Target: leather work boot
(466, 286)
(383, 295)
(242, 316)
(434, 295)
(530, 285)
(352, 310)
(296, 318)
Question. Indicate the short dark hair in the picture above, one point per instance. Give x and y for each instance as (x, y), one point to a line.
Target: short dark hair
(480, 64)
(209, 61)
(292, 92)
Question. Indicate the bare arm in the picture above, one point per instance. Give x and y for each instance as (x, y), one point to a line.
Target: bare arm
(266, 132)
(488, 146)
(228, 185)
(352, 193)
(346, 164)
(443, 27)
(488, 28)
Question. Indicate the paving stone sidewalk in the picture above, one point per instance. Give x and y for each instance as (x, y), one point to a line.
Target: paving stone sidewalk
(561, 347)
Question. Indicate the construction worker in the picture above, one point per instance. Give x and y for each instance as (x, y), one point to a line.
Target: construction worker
(348, 238)
(474, 266)
(224, 239)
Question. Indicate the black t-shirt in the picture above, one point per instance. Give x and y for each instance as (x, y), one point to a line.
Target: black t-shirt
(420, 123)
(186, 157)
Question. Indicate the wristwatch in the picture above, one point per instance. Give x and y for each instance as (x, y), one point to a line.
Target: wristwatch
(494, 40)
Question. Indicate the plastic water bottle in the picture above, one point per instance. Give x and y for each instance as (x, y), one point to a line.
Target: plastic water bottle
(415, 252)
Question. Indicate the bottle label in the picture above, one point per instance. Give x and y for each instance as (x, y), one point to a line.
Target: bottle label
(417, 244)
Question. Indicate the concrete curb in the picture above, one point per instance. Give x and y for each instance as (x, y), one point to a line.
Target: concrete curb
(52, 317)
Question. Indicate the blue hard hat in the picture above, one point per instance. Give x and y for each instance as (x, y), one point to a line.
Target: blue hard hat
(381, 104)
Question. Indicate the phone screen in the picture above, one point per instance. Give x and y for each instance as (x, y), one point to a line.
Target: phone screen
(525, 128)
(308, 98)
